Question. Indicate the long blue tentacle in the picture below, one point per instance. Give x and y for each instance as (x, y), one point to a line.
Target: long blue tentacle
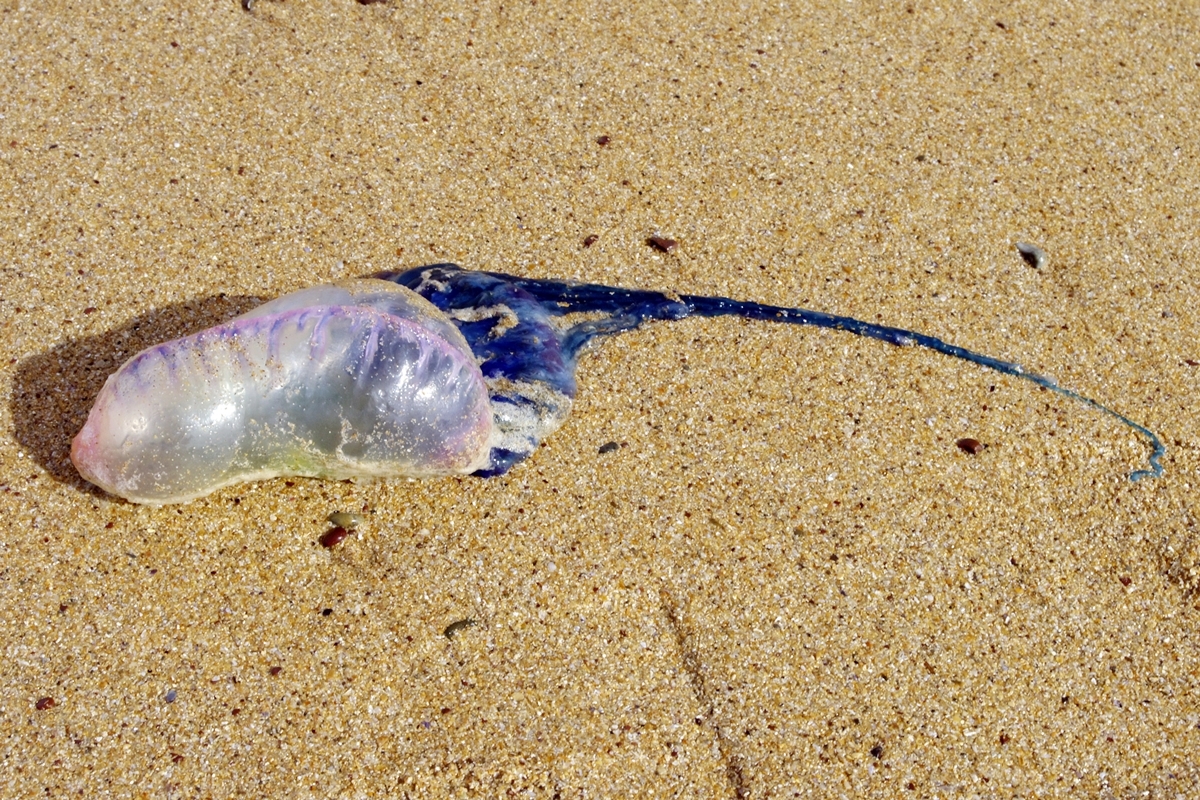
(524, 344)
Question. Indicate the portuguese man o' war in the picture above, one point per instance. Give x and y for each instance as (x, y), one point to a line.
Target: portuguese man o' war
(432, 371)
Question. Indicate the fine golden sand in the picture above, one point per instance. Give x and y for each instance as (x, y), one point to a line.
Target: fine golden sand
(786, 580)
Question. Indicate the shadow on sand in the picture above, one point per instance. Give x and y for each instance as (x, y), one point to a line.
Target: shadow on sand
(54, 390)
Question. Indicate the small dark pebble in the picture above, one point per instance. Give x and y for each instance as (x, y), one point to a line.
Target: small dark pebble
(275, 671)
(44, 703)
(1191, 362)
(1034, 256)
(877, 751)
(662, 243)
(176, 758)
(609, 447)
(1125, 580)
(370, 2)
(170, 696)
(455, 627)
(972, 446)
(89, 310)
(333, 537)
(325, 612)
(602, 140)
(591, 240)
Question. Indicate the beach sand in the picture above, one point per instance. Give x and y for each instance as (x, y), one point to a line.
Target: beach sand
(787, 580)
